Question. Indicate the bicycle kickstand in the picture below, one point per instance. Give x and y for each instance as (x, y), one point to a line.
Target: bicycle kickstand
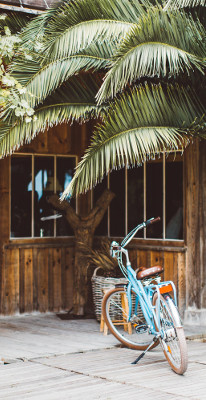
(155, 339)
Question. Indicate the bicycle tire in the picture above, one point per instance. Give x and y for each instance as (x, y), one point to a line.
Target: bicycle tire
(113, 311)
(174, 343)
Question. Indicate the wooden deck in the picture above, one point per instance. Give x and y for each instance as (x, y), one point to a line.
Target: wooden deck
(49, 358)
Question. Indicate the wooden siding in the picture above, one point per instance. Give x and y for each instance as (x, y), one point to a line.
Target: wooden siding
(173, 261)
(40, 278)
(37, 279)
(195, 223)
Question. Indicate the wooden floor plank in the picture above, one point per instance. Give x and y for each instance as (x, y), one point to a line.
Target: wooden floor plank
(72, 360)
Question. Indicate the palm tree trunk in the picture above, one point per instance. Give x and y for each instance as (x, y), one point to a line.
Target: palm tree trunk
(84, 228)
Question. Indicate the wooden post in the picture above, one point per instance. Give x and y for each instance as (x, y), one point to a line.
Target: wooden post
(195, 221)
(192, 228)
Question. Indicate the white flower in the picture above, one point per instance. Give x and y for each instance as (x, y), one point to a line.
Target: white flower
(7, 31)
(23, 103)
(8, 81)
(28, 119)
(22, 90)
(35, 118)
(19, 112)
(30, 111)
(28, 57)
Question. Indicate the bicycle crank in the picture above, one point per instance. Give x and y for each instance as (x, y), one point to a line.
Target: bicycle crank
(141, 328)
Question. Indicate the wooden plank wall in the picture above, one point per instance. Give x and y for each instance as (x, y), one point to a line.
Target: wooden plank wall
(174, 264)
(41, 279)
(37, 279)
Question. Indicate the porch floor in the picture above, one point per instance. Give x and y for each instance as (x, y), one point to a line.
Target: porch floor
(45, 357)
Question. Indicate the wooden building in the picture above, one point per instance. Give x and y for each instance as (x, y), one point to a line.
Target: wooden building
(36, 253)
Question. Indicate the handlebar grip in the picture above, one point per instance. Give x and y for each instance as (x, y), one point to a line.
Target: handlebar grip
(155, 220)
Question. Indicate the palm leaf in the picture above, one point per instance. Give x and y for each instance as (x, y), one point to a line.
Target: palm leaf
(24, 70)
(162, 44)
(171, 4)
(72, 26)
(35, 29)
(15, 21)
(75, 100)
(78, 37)
(83, 21)
(51, 76)
(141, 124)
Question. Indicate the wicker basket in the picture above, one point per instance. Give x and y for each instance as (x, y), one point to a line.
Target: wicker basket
(98, 284)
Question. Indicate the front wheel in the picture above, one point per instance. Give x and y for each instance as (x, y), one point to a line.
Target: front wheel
(173, 340)
(133, 334)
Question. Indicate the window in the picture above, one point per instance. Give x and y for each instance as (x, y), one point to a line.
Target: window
(154, 189)
(33, 179)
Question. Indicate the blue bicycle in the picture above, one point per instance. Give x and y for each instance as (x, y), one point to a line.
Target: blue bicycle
(143, 313)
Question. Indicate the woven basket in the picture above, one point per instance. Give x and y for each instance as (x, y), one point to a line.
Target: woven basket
(98, 284)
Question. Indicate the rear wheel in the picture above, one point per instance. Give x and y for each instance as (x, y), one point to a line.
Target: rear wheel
(173, 341)
(133, 334)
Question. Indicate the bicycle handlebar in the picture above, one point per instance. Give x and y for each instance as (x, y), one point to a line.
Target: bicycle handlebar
(131, 234)
(152, 221)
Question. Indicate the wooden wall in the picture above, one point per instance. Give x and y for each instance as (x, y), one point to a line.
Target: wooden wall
(195, 223)
(37, 278)
(36, 275)
(40, 277)
(172, 259)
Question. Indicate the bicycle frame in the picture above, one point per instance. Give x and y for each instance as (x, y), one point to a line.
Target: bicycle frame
(144, 293)
(144, 297)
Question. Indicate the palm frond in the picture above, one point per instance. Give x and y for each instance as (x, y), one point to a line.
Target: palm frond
(78, 37)
(24, 70)
(141, 124)
(72, 26)
(173, 4)
(75, 100)
(35, 29)
(15, 21)
(162, 44)
(85, 20)
(49, 77)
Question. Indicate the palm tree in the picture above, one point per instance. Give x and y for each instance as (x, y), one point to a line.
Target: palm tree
(140, 67)
(136, 66)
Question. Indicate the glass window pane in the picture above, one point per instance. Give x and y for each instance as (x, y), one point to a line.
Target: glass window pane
(135, 177)
(43, 187)
(154, 195)
(174, 197)
(102, 229)
(65, 171)
(117, 207)
(21, 196)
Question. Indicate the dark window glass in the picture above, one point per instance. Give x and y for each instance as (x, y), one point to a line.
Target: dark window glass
(135, 181)
(174, 198)
(117, 207)
(65, 170)
(21, 196)
(43, 187)
(154, 196)
(102, 228)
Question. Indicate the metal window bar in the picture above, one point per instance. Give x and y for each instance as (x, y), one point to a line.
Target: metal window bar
(55, 190)
(32, 196)
(164, 196)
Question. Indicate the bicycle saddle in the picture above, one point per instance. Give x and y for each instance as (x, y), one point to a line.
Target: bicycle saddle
(148, 272)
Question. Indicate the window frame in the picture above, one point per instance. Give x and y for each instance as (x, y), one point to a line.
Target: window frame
(144, 238)
(33, 155)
